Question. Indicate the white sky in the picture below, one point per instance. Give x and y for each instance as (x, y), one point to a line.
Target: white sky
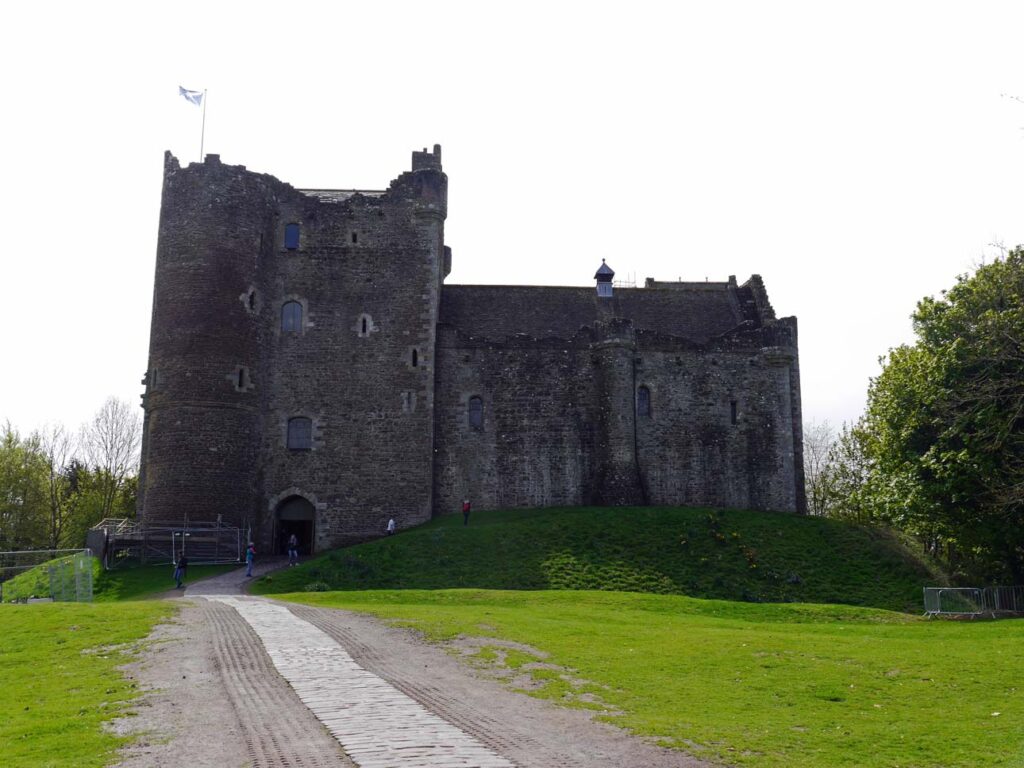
(858, 156)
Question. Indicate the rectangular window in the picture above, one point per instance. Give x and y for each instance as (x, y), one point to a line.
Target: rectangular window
(643, 402)
(300, 434)
(291, 236)
(476, 412)
(733, 415)
(291, 317)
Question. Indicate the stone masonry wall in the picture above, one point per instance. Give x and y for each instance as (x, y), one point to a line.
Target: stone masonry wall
(718, 429)
(560, 425)
(366, 272)
(536, 444)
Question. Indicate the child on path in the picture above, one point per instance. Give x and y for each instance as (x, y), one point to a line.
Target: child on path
(391, 527)
(293, 550)
(250, 556)
(465, 512)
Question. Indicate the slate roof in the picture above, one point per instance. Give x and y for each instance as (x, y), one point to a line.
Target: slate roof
(498, 311)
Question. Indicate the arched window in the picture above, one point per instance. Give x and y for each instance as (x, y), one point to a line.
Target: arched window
(300, 433)
(415, 358)
(291, 317)
(643, 402)
(291, 236)
(476, 412)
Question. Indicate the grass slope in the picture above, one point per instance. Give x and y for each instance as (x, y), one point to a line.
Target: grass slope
(124, 584)
(732, 555)
(58, 674)
(782, 686)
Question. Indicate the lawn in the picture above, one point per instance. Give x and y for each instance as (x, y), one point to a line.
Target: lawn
(59, 679)
(751, 684)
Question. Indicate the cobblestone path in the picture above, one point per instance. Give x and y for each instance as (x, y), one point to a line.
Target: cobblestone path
(376, 724)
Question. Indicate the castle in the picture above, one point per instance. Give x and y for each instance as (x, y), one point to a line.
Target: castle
(310, 372)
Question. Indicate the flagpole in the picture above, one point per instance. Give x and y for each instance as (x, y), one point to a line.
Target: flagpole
(202, 133)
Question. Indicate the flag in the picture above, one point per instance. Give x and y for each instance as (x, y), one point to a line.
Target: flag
(196, 97)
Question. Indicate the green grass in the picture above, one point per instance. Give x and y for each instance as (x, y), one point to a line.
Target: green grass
(146, 581)
(752, 684)
(59, 679)
(732, 555)
(122, 584)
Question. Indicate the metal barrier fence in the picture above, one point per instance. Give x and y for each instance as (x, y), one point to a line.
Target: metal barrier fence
(41, 585)
(71, 579)
(127, 542)
(974, 601)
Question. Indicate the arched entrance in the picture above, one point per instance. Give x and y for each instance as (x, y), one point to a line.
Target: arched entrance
(295, 515)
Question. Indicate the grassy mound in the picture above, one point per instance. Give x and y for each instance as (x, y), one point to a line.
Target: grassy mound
(109, 586)
(729, 555)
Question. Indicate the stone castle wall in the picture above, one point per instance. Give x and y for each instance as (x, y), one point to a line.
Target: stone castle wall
(386, 359)
(561, 426)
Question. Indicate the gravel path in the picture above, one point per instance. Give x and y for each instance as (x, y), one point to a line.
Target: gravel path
(218, 698)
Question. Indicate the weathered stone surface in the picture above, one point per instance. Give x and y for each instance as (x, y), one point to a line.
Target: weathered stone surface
(386, 358)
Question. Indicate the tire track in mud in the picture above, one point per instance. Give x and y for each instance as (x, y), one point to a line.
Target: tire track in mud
(278, 730)
(530, 732)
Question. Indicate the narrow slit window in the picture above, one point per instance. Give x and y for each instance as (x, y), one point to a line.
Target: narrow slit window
(415, 358)
(643, 401)
(355, 237)
(291, 317)
(241, 378)
(291, 236)
(733, 412)
(364, 326)
(300, 434)
(476, 412)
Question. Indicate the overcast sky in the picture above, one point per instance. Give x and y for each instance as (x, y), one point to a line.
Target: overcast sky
(858, 156)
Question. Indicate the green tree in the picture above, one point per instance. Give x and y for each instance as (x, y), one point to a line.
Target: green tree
(847, 477)
(23, 491)
(944, 428)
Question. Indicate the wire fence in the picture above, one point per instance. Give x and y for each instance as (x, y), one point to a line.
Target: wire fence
(993, 602)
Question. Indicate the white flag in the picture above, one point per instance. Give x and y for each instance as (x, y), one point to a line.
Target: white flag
(196, 97)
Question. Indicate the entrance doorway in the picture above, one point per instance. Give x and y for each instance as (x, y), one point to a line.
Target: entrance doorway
(295, 515)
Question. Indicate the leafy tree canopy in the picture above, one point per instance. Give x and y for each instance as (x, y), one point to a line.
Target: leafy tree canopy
(944, 427)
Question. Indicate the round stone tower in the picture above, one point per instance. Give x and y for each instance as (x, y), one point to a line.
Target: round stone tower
(202, 432)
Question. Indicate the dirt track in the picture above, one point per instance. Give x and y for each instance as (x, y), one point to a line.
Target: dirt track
(217, 700)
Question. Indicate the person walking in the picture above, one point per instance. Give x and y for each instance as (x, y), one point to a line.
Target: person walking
(293, 550)
(179, 570)
(250, 557)
(465, 511)
(391, 527)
